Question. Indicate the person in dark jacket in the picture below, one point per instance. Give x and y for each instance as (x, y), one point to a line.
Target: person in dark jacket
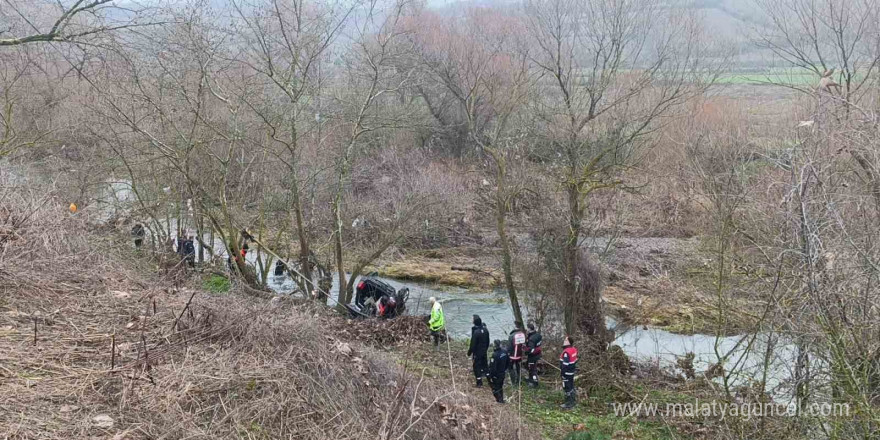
(137, 231)
(533, 354)
(189, 251)
(479, 348)
(517, 347)
(568, 366)
(279, 268)
(497, 370)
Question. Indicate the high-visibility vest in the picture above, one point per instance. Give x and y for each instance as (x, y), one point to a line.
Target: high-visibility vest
(436, 323)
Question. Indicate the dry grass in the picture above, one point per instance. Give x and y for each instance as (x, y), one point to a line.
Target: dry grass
(439, 272)
(233, 367)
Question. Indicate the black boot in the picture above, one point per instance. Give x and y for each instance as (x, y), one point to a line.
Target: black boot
(479, 382)
(499, 395)
(570, 400)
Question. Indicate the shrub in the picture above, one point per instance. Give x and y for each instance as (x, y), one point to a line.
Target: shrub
(217, 284)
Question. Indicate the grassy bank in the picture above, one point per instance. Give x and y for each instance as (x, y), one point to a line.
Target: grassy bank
(540, 407)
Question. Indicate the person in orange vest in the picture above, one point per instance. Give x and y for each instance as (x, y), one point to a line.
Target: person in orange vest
(517, 344)
(568, 366)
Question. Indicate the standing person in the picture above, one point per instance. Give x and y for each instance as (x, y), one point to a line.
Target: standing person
(279, 268)
(533, 352)
(497, 369)
(568, 366)
(479, 348)
(189, 250)
(137, 231)
(517, 344)
(437, 322)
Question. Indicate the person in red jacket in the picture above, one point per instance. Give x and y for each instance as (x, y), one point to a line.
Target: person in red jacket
(568, 366)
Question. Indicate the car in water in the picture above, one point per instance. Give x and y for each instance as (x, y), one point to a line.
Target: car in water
(371, 286)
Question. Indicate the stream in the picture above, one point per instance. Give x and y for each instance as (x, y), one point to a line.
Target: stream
(644, 344)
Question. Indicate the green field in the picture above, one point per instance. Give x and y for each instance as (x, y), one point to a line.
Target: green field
(787, 76)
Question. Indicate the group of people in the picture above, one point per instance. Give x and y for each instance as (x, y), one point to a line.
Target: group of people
(507, 355)
(383, 308)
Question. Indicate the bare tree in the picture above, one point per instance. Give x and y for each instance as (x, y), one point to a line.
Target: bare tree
(74, 21)
(483, 63)
(371, 78)
(832, 38)
(824, 37)
(288, 44)
(612, 72)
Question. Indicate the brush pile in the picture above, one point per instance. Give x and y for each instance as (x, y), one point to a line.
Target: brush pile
(395, 332)
(117, 354)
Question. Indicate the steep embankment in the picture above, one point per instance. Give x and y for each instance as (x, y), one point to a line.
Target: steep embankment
(91, 347)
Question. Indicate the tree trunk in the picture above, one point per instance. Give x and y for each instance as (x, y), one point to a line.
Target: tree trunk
(200, 231)
(501, 222)
(344, 294)
(304, 251)
(872, 178)
(571, 259)
(583, 305)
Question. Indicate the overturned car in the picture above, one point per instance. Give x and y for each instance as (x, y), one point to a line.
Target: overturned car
(374, 297)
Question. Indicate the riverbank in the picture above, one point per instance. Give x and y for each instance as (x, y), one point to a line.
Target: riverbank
(105, 346)
(665, 283)
(466, 267)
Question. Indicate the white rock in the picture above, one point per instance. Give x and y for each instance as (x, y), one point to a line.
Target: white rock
(344, 348)
(68, 408)
(120, 294)
(103, 421)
